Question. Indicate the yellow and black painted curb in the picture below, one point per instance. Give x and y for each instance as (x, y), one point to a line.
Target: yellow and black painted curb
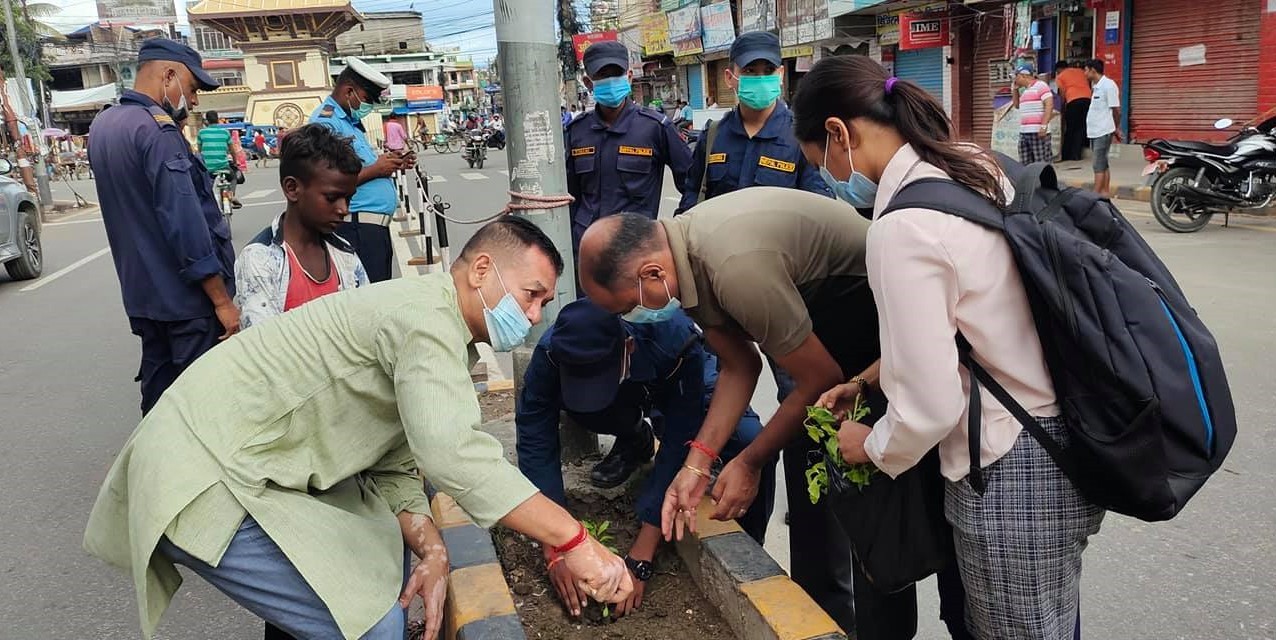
(754, 595)
(479, 604)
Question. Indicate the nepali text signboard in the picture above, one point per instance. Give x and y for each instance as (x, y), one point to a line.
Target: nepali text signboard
(922, 30)
(424, 97)
(684, 31)
(581, 41)
(717, 26)
(757, 15)
(136, 12)
(887, 29)
(655, 35)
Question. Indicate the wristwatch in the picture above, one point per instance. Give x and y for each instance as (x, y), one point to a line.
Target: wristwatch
(642, 569)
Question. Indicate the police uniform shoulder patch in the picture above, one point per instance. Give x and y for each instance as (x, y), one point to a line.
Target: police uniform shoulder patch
(161, 117)
(653, 114)
(327, 111)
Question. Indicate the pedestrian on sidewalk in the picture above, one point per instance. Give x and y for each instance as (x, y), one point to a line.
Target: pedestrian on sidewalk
(753, 143)
(1036, 106)
(358, 88)
(617, 153)
(169, 241)
(1075, 88)
(637, 381)
(1101, 119)
(299, 257)
(285, 468)
(935, 276)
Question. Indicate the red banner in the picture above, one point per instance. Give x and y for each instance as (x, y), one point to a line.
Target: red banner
(922, 30)
(581, 41)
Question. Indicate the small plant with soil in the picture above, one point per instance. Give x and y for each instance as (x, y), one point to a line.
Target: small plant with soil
(600, 532)
(821, 426)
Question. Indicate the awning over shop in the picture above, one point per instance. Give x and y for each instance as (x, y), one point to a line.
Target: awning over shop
(83, 99)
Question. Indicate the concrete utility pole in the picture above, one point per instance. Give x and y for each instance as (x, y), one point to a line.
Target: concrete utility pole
(42, 176)
(528, 63)
(530, 75)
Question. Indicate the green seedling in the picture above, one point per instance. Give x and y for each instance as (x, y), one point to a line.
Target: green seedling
(821, 426)
(600, 531)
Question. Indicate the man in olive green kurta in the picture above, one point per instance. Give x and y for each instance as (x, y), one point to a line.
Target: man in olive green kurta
(315, 424)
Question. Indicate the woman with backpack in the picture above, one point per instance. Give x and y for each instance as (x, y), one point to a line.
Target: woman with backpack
(936, 277)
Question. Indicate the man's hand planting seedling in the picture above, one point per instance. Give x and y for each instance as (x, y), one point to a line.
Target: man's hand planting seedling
(600, 532)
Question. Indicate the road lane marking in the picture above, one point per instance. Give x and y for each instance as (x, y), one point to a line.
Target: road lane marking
(474, 176)
(505, 172)
(65, 270)
(434, 178)
(260, 193)
(272, 203)
(66, 222)
(673, 199)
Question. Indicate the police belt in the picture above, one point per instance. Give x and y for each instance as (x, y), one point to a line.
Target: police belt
(371, 217)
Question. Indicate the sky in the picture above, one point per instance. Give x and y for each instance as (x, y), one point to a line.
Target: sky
(467, 24)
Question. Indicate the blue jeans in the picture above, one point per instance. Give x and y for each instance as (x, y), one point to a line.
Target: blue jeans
(255, 573)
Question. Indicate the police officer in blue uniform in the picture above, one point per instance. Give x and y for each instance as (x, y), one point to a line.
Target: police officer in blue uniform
(616, 154)
(621, 378)
(169, 241)
(358, 88)
(753, 144)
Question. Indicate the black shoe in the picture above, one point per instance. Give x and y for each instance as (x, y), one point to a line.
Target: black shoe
(625, 457)
(235, 204)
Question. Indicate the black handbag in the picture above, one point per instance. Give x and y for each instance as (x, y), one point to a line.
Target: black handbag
(896, 526)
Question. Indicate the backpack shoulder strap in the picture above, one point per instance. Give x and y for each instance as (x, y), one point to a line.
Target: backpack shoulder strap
(944, 195)
(710, 134)
(1038, 175)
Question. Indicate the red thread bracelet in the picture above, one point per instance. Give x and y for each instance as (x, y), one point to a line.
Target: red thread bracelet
(574, 542)
(702, 448)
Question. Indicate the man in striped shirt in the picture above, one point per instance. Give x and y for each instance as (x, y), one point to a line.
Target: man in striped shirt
(214, 147)
(1036, 107)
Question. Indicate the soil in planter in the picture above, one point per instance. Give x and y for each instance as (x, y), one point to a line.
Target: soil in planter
(496, 405)
(672, 607)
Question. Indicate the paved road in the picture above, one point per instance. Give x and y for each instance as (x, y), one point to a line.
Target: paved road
(67, 403)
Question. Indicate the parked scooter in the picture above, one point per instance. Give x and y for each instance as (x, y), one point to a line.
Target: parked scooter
(1199, 179)
(475, 148)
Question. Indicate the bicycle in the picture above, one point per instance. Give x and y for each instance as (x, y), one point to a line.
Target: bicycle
(448, 142)
(225, 195)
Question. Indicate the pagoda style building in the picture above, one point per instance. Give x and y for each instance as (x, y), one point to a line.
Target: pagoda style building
(286, 45)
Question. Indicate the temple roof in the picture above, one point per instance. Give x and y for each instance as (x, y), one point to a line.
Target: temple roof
(215, 8)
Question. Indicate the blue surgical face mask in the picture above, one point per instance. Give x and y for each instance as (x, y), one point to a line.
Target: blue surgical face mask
(644, 315)
(859, 191)
(758, 92)
(507, 324)
(611, 92)
(360, 112)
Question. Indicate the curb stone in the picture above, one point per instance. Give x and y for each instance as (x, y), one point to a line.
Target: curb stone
(479, 605)
(757, 599)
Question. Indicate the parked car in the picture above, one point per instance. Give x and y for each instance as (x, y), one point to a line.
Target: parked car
(20, 250)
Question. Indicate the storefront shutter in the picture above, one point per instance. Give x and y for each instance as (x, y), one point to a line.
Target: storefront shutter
(1171, 94)
(695, 86)
(924, 67)
(990, 49)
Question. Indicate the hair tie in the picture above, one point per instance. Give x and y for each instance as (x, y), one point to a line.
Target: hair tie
(890, 84)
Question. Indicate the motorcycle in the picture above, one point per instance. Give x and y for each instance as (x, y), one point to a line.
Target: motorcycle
(495, 138)
(1195, 180)
(475, 148)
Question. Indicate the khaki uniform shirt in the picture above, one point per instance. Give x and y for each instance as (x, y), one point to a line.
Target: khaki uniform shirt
(315, 424)
(764, 259)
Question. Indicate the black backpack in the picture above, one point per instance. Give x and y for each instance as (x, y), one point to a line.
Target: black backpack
(1139, 378)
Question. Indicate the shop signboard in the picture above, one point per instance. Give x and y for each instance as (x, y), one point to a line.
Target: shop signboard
(923, 30)
(717, 26)
(757, 15)
(581, 41)
(887, 29)
(655, 35)
(684, 31)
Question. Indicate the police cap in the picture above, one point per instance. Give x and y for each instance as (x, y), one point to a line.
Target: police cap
(374, 82)
(753, 46)
(603, 54)
(588, 345)
(165, 49)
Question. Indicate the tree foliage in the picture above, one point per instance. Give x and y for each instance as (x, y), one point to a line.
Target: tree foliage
(31, 32)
